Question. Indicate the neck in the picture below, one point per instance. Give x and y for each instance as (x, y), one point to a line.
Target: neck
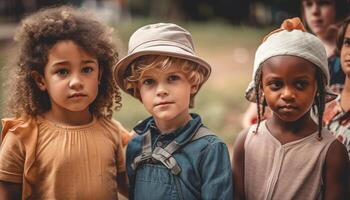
(329, 43)
(302, 126)
(345, 95)
(166, 126)
(69, 118)
(330, 48)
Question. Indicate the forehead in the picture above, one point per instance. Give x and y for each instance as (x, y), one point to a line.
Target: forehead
(347, 31)
(288, 66)
(67, 49)
(319, 1)
(158, 70)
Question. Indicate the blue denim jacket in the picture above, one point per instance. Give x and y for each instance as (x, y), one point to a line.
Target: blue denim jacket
(205, 166)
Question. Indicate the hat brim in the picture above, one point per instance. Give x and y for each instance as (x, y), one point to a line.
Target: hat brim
(250, 94)
(123, 64)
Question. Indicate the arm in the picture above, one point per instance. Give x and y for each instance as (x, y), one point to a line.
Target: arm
(10, 191)
(123, 184)
(238, 165)
(12, 158)
(216, 174)
(249, 116)
(336, 172)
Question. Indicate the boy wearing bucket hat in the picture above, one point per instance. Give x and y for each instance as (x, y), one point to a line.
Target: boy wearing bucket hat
(289, 156)
(174, 155)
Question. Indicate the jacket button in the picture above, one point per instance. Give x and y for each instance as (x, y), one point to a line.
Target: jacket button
(159, 144)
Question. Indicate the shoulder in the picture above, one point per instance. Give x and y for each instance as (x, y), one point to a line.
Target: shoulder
(133, 149)
(238, 148)
(337, 154)
(24, 127)
(115, 128)
(205, 138)
(337, 169)
(207, 145)
(110, 124)
(337, 160)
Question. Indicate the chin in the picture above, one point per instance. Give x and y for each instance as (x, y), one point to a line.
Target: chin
(165, 117)
(289, 118)
(77, 109)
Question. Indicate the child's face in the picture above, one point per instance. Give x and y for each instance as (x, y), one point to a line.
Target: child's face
(71, 77)
(319, 15)
(345, 52)
(289, 86)
(166, 94)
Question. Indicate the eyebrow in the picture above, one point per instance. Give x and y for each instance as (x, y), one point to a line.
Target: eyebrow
(272, 76)
(89, 61)
(60, 62)
(146, 76)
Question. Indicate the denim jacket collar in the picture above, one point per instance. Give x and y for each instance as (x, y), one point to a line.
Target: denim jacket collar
(181, 135)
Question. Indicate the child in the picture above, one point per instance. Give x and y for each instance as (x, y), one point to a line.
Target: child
(337, 114)
(321, 17)
(175, 156)
(289, 156)
(62, 143)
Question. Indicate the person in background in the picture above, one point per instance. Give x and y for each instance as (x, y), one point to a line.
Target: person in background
(337, 114)
(322, 18)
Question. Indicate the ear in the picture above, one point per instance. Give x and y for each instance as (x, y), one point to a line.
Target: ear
(194, 89)
(39, 80)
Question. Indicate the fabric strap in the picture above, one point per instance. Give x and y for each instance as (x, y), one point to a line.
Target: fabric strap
(164, 155)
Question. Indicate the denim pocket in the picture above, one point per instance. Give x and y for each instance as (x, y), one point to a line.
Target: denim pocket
(155, 182)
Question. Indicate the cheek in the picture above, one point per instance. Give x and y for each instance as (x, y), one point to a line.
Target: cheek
(146, 95)
(345, 54)
(329, 14)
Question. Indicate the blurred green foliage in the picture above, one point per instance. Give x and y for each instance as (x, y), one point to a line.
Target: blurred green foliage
(220, 104)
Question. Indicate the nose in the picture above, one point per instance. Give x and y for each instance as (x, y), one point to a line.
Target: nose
(162, 90)
(315, 9)
(75, 82)
(288, 94)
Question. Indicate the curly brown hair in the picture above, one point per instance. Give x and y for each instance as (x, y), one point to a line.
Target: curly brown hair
(36, 36)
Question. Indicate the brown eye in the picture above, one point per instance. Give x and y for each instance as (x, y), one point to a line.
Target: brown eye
(87, 70)
(346, 42)
(148, 82)
(300, 85)
(62, 72)
(275, 85)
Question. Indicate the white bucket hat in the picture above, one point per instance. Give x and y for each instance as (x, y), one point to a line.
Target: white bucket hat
(159, 39)
(291, 39)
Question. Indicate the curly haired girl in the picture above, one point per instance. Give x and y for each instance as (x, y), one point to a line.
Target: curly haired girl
(62, 143)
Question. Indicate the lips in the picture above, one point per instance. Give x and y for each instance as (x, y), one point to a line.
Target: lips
(77, 95)
(288, 108)
(163, 103)
(316, 23)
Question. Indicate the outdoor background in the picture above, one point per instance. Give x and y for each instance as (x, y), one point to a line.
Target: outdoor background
(226, 34)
